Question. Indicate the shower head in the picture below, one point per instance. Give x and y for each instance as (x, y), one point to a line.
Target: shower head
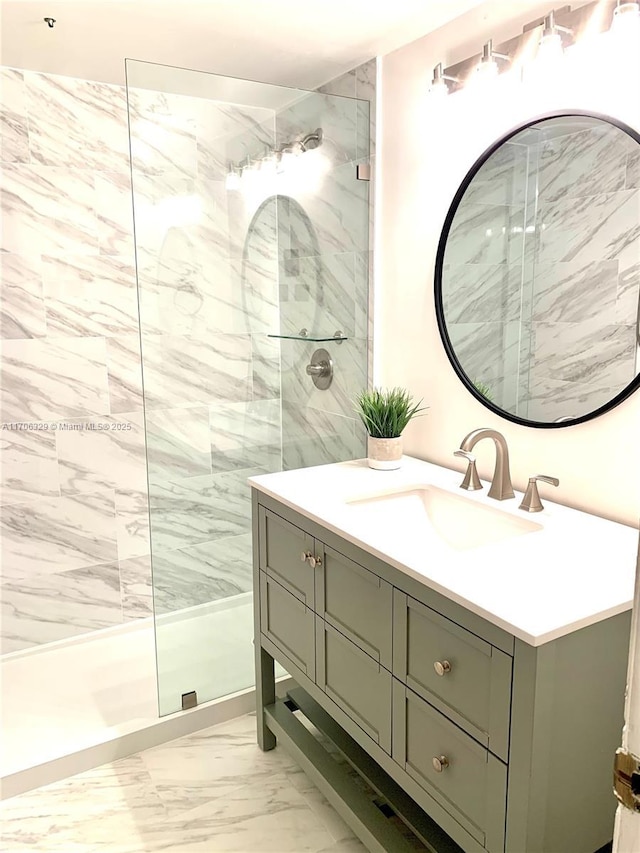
(311, 140)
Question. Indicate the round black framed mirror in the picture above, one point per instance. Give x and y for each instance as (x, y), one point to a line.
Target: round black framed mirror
(537, 281)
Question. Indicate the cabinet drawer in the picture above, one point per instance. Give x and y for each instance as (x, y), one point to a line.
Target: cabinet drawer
(472, 786)
(355, 682)
(475, 692)
(356, 602)
(286, 621)
(282, 546)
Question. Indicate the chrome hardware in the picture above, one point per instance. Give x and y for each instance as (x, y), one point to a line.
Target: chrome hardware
(501, 487)
(440, 763)
(315, 561)
(363, 172)
(471, 480)
(304, 556)
(321, 369)
(442, 667)
(531, 501)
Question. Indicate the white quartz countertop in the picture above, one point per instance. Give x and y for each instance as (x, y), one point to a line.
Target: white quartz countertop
(577, 570)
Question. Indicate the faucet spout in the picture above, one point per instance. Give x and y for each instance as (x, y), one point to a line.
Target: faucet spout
(501, 488)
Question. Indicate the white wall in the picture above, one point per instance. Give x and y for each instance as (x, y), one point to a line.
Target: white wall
(427, 148)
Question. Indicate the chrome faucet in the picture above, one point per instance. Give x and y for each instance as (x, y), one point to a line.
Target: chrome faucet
(501, 487)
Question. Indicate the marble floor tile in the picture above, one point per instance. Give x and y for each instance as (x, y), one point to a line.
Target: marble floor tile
(212, 792)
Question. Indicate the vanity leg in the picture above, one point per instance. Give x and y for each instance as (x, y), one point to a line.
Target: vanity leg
(265, 695)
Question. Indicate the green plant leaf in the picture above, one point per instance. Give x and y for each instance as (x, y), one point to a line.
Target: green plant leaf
(385, 413)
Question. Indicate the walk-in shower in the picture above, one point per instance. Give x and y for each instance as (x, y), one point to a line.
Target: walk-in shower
(167, 352)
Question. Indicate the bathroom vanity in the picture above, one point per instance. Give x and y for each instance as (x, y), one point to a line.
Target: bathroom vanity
(468, 659)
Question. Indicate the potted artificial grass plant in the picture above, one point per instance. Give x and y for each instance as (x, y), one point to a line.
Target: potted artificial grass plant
(385, 414)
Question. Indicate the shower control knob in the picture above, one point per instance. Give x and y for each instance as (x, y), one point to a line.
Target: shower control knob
(442, 667)
(320, 369)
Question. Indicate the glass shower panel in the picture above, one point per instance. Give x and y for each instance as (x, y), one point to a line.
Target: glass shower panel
(227, 233)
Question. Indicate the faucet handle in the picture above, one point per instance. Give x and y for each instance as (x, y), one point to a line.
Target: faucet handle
(471, 480)
(531, 501)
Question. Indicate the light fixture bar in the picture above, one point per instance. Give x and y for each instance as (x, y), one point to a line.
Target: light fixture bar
(305, 143)
(564, 19)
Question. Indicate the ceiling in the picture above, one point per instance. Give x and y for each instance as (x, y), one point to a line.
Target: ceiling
(289, 42)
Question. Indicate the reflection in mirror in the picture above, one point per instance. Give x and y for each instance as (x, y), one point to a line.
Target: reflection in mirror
(282, 283)
(538, 271)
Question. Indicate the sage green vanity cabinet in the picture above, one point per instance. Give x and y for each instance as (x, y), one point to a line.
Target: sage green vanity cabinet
(355, 681)
(480, 740)
(459, 673)
(468, 781)
(283, 555)
(356, 602)
(288, 623)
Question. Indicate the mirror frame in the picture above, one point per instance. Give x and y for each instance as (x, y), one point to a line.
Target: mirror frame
(444, 335)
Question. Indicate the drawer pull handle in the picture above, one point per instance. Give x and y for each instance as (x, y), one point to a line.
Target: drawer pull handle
(440, 763)
(442, 667)
(305, 555)
(314, 561)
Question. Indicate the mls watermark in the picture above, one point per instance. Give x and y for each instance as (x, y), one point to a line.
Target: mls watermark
(59, 426)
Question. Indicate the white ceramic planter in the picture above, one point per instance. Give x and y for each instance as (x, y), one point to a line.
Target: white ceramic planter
(385, 454)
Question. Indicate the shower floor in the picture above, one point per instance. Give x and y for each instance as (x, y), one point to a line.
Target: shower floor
(77, 704)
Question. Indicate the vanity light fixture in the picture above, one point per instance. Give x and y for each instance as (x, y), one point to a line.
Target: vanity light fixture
(488, 68)
(439, 87)
(626, 16)
(550, 47)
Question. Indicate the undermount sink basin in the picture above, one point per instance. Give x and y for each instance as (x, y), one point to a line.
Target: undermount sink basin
(454, 519)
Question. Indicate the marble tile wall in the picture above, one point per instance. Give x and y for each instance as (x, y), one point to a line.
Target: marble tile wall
(586, 285)
(74, 538)
(329, 287)
(482, 275)
(75, 499)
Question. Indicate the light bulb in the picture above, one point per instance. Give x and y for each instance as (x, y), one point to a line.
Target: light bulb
(487, 69)
(626, 18)
(232, 181)
(550, 49)
(438, 89)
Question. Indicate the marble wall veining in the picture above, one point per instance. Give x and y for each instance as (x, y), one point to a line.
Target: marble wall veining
(74, 532)
(75, 498)
(83, 504)
(329, 290)
(542, 271)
